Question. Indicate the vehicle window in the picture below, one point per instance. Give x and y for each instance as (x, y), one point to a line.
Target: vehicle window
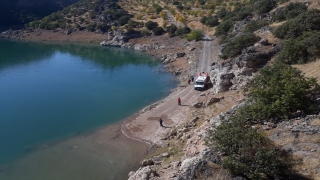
(199, 83)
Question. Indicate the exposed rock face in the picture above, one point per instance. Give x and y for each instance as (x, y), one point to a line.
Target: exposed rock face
(236, 72)
(143, 173)
(199, 165)
(118, 39)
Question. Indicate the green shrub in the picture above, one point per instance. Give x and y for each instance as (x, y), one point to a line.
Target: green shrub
(210, 21)
(195, 35)
(293, 28)
(279, 91)
(123, 20)
(158, 31)
(222, 13)
(302, 49)
(102, 27)
(247, 152)
(289, 12)
(183, 30)
(235, 46)
(255, 25)
(172, 29)
(91, 27)
(264, 6)
(151, 25)
(157, 7)
(224, 27)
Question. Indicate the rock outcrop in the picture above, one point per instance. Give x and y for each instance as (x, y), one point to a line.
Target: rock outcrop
(234, 73)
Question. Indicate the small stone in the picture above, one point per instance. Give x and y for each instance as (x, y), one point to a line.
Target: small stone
(313, 150)
(166, 154)
(131, 173)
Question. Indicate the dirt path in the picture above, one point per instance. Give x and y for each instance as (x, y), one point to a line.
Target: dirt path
(145, 125)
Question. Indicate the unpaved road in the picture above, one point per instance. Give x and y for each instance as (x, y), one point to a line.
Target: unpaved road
(145, 125)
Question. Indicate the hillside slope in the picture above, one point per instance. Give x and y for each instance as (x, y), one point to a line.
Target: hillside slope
(20, 12)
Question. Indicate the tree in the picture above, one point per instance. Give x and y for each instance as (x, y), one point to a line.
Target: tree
(195, 35)
(211, 21)
(247, 152)
(151, 25)
(279, 91)
(183, 30)
(123, 20)
(235, 46)
(158, 31)
(264, 6)
(172, 29)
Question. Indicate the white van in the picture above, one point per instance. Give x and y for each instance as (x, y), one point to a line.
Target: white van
(202, 81)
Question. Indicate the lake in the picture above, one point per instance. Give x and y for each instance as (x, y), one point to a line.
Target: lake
(56, 101)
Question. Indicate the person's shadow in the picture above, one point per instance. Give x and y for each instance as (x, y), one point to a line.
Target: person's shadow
(166, 126)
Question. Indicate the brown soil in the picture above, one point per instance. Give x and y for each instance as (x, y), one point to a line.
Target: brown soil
(60, 36)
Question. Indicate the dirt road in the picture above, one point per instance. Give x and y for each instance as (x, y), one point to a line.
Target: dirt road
(145, 126)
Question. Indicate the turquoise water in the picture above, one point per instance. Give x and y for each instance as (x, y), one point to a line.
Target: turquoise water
(53, 91)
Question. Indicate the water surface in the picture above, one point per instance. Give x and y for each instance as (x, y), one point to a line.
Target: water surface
(51, 92)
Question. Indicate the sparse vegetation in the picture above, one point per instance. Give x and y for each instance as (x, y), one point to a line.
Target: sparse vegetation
(236, 44)
(293, 28)
(255, 25)
(247, 152)
(300, 50)
(289, 12)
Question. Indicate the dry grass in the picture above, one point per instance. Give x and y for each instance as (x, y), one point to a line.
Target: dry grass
(315, 122)
(311, 69)
(308, 165)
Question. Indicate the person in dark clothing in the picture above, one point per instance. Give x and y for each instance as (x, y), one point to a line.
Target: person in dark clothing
(161, 121)
(189, 81)
(192, 78)
(179, 101)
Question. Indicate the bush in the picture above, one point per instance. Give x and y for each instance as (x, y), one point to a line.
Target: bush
(264, 6)
(302, 49)
(157, 7)
(210, 21)
(123, 20)
(172, 29)
(224, 27)
(255, 25)
(235, 46)
(103, 27)
(247, 152)
(279, 91)
(222, 13)
(293, 28)
(151, 25)
(195, 35)
(289, 12)
(158, 31)
(183, 30)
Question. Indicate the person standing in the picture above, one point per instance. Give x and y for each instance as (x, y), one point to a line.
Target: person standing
(192, 78)
(189, 81)
(161, 121)
(179, 101)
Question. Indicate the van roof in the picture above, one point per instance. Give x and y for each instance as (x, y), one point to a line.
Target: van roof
(200, 78)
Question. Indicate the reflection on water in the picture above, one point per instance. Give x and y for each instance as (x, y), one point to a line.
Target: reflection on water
(50, 92)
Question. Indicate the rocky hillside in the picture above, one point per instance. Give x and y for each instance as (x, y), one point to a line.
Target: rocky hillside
(271, 35)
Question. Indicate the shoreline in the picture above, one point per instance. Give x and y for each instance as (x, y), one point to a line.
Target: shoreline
(125, 129)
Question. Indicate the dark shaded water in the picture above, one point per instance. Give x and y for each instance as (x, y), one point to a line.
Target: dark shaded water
(50, 92)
